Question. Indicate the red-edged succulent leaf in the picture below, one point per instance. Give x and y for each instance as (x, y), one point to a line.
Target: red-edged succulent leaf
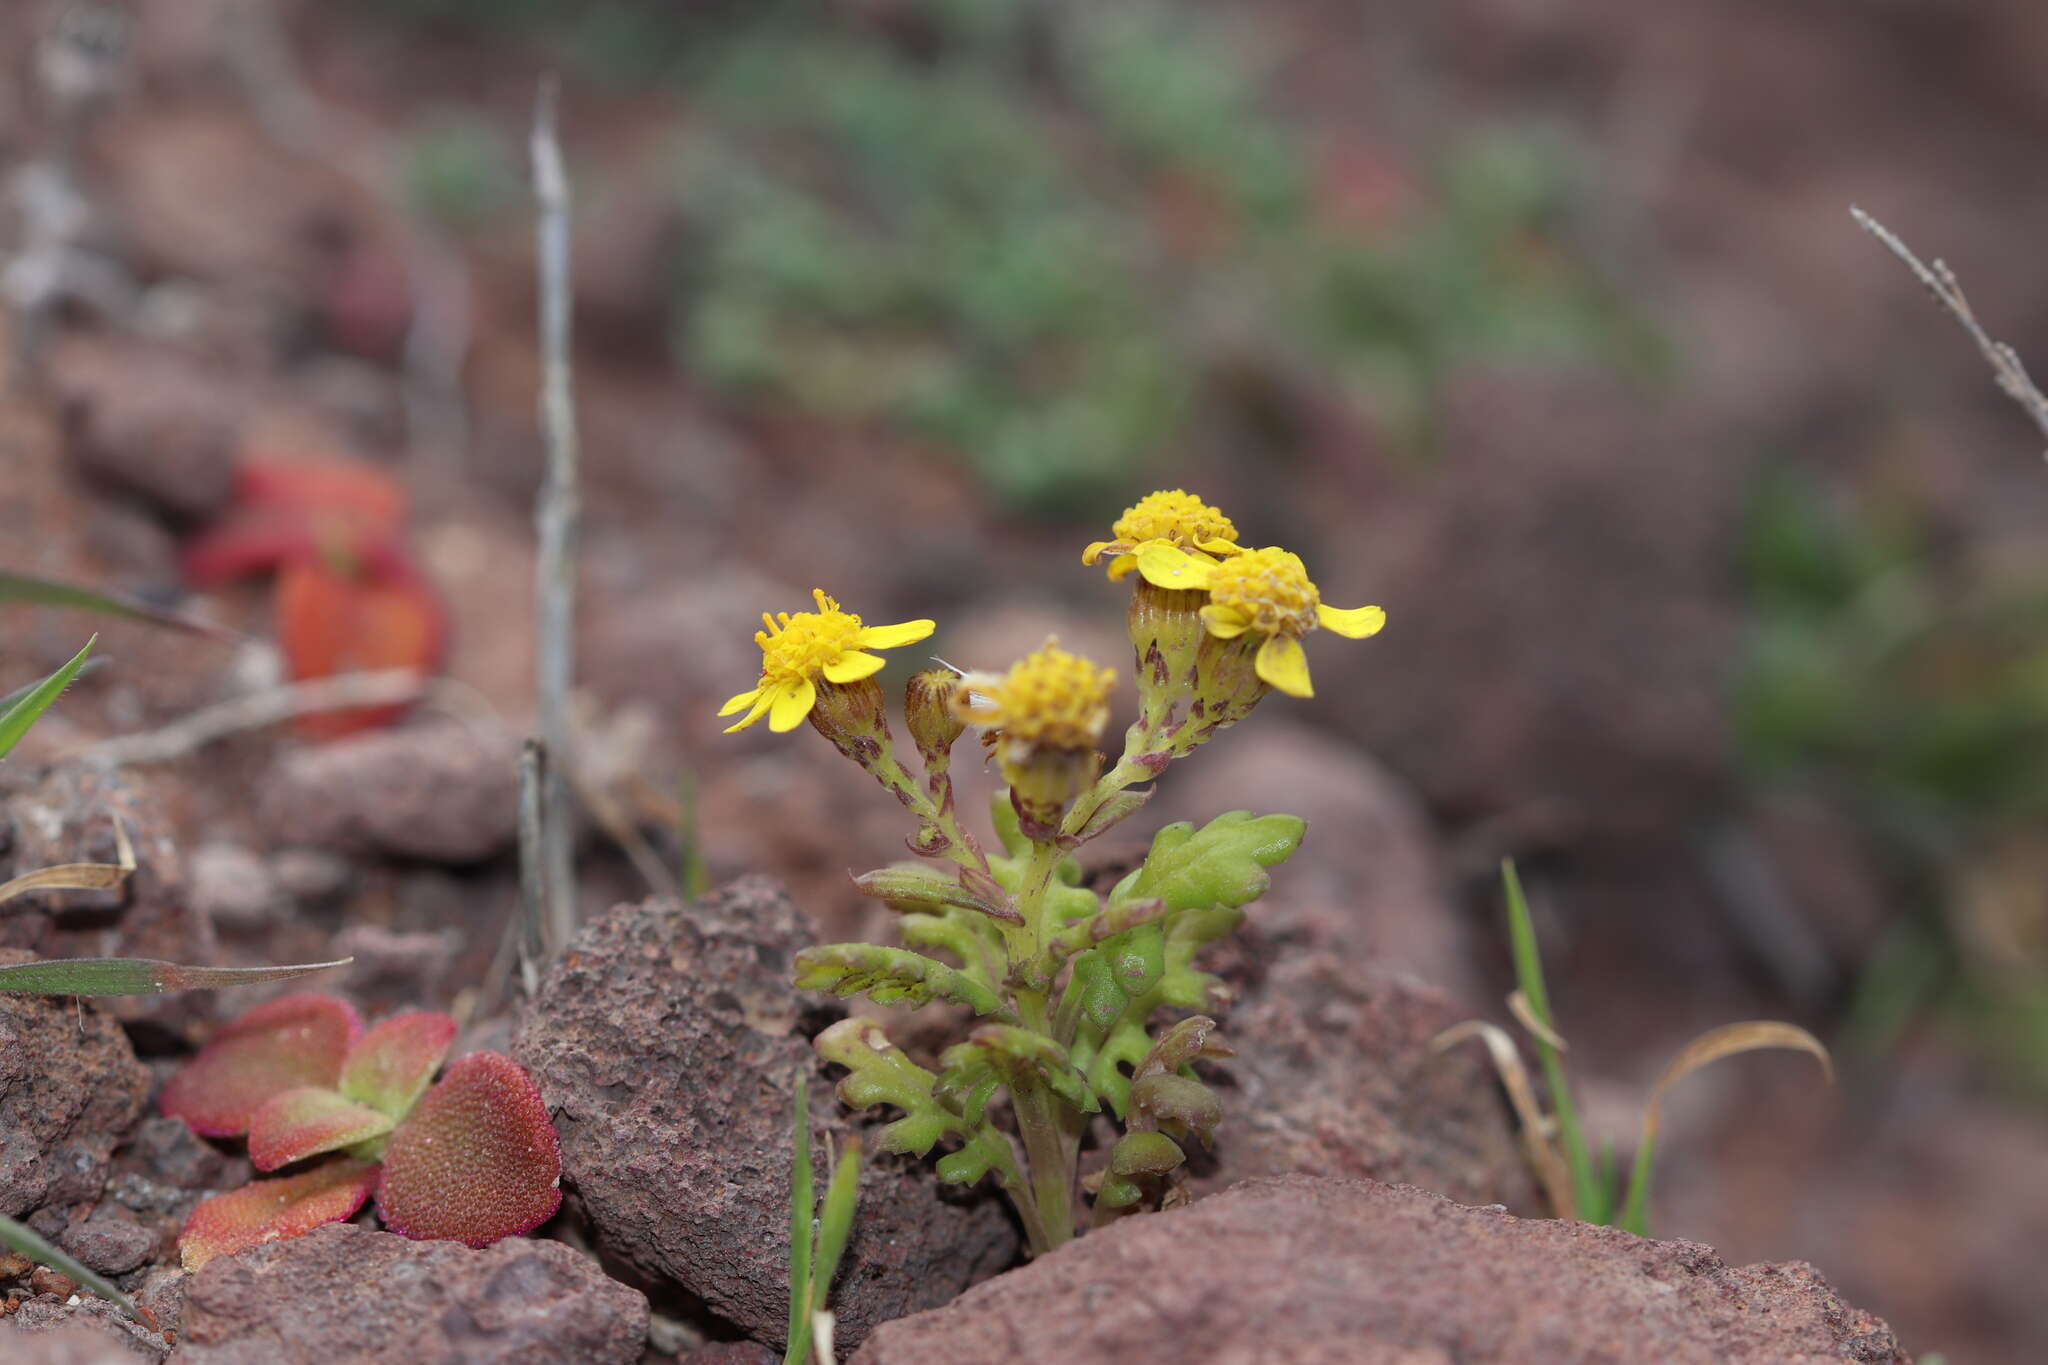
(376, 615)
(286, 510)
(307, 1121)
(299, 1040)
(477, 1160)
(389, 1067)
(272, 1210)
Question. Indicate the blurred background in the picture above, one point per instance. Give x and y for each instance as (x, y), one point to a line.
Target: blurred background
(1713, 559)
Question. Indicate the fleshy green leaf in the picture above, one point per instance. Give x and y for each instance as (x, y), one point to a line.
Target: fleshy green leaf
(138, 976)
(19, 715)
(19, 1237)
(389, 1067)
(272, 1210)
(476, 1160)
(306, 1121)
(915, 887)
(299, 1040)
(891, 976)
(1222, 864)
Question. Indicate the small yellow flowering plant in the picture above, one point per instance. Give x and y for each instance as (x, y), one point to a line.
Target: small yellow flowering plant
(1068, 985)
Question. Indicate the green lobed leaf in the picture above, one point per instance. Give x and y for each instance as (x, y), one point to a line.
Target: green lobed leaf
(1222, 864)
(892, 976)
(879, 1072)
(19, 1237)
(968, 935)
(16, 719)
(138, 976)
(916, 887)
(1014, 1057)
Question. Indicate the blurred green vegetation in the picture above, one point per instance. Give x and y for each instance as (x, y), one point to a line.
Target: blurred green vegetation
(1031, 234)
(1912, 690)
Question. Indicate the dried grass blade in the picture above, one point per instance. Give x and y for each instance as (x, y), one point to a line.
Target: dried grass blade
(1550, 1168)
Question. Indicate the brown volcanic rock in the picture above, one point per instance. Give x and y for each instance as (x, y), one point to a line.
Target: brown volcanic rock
(433, 791)
(70, 1089)
(343, 1292)
(666, 1042)
(1306, 1270)
(1335, 1075)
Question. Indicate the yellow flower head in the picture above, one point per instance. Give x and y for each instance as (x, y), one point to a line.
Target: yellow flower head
(1173, 518)
(1049, 699)
(1266, 592)
(799, 649)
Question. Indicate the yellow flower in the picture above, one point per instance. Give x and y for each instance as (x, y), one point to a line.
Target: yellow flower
(1049, 699)
(1173, 518)
(797, 650)
(1266, 592)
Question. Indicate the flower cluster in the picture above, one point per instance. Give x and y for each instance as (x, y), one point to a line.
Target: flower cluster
(1065, 980)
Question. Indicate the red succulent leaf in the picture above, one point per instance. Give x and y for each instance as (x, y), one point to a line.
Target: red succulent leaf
(307, 1121)
(390, 1066)
(379, 614)
(272, 1210)
(299, 1040)
(289, 510)
(477, 1160)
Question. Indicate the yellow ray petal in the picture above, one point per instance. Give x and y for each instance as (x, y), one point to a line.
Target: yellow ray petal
(760, 709)
(791, 704)
(1220, 547)
(1355, 624)
(1095, 551)
(1120, 567)
(1225, 622)
(902, 633)
(1166, 565)
(852, 666)
(741, 702)
(1283, 663)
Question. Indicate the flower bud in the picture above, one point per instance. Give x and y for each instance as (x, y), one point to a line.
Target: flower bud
(928, 711)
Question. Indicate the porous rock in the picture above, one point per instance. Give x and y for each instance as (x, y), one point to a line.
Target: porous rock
(666, 1042)
(48, 1330)
(437, 792)
(112, 1246)
(1335, 1074)
(155, 429)
(70, 1088)
(1309, 1269)
(343, 1292)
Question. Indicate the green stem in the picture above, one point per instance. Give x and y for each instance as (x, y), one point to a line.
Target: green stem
(1586, 1192)
(1052, 1174)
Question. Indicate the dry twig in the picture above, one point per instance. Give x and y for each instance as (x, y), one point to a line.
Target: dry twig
(1941, 282)
(272, 706)
(557, 516)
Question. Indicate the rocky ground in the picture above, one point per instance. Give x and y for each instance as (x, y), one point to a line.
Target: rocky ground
(1552, 686)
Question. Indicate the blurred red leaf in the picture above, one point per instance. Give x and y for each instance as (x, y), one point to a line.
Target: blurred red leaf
(272, 1210)
(330, 622)
(295, 510)
(477, 1160)
(391, 1065)
(306, 1121)
(299, 1040)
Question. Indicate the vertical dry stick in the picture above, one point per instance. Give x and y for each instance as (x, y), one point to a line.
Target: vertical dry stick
(533, 927)
(555, 577)
(1948, 292)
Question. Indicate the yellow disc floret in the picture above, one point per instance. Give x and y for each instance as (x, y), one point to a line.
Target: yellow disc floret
(800, 649)
(1172, 517)
(1049, 699)
(1264, 590)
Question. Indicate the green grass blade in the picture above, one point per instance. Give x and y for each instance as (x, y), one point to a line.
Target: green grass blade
(24, 1240)
(92, 666)
(835, 1225)
(137, 976)
(1529, 976)
(47, 592)
(17, 718)
(802, 1203)
(1634, 1213)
